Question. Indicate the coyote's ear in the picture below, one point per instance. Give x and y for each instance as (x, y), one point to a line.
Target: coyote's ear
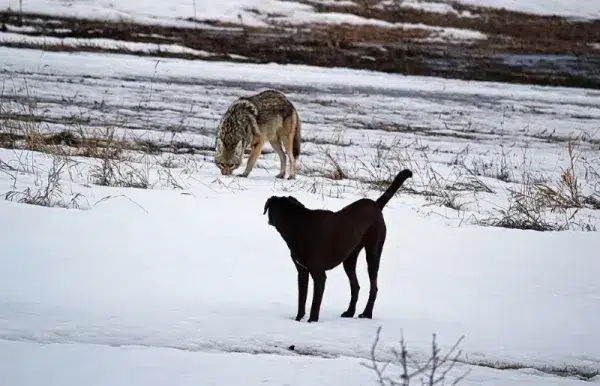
(268, 204)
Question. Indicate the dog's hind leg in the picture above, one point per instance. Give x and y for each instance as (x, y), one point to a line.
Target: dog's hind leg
(350, 268)
(373, 249)
(302, 291)
(319, 278)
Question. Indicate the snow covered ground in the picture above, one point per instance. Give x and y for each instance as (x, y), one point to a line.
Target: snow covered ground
(586, 9)
(252, 13)
(103, 365)
(191, 285)
(204, 273)
(174, 12)
(133, 47)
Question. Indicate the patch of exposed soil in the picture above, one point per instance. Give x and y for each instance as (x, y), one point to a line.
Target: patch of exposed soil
(545, 34)
(520, 48)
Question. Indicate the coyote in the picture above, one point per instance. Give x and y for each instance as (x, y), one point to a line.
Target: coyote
(266, 116)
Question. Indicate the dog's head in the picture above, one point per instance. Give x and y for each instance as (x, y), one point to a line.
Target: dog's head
(280, 207)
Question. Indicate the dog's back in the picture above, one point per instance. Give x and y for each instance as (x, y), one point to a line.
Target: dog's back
(338, 233)
(322, 232)
(335, 234)
(358, 217)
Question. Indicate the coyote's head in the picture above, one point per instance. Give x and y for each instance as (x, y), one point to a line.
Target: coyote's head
(228, 156)
(237, 125)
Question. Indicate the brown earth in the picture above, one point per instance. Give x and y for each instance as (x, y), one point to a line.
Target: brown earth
(544, 34)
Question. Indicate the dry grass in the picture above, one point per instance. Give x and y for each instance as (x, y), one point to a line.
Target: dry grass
(47, 190)
(345, 35)
(131, 160)
(533, 201)
(568, 191)
(538, 204)
(98, 155)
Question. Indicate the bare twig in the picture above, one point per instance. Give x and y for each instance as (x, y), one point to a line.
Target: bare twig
(433, 371)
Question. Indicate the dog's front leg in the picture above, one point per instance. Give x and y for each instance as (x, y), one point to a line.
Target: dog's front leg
(302, 291)
(319, 279)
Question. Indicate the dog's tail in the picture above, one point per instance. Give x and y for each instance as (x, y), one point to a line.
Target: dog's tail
(393, 188)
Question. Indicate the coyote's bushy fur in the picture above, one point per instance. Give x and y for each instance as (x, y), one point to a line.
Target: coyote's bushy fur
(266, 116)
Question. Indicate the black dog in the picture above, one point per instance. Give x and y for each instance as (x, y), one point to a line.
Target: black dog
(320, 240)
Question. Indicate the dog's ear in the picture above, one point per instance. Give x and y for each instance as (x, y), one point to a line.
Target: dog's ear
(295, 201)
(268, 204)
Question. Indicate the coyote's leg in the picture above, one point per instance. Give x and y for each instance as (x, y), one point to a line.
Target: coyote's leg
(289, 149)
(254, 154)
(276, 143)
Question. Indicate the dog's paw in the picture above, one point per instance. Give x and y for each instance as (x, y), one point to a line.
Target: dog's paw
(280, 175)
(311, 320)
(366, 315)
(291, 177)
(347, 314)
(299, 317)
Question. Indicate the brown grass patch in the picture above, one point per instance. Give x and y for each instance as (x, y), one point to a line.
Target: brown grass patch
(491, 21)
(344, 35)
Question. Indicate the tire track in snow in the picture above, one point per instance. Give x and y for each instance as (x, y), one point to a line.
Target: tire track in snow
(45, 326)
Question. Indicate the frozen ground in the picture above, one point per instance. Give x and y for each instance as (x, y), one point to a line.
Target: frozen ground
(247, 12)
(479, 43)
(451, 130)
(180, 285)
(110, 44)
(587, 9)
(152, 11)
(204, 273)
(103, 365)
(251, 12)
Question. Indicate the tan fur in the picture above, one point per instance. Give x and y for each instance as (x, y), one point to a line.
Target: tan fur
(251, 121)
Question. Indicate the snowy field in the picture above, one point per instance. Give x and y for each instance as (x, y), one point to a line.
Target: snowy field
(262, 13)
(182, 13)
(586, 9)
(479, 42)
(142, 265)
(185, 282)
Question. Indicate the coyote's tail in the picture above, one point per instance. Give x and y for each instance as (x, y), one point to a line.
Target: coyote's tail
(393, 188)
(297, 135)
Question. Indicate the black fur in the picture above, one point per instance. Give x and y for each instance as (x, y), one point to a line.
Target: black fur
(320, 240)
